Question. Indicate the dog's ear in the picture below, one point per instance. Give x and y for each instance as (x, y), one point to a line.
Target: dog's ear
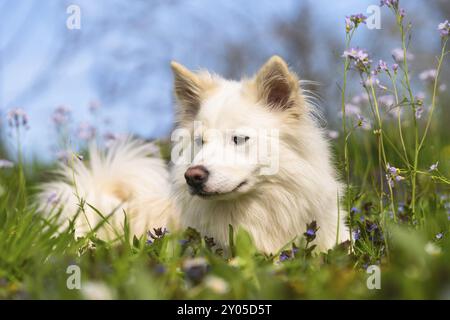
(276, 86)
(187, 88)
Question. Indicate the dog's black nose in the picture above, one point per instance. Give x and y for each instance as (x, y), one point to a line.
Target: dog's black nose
(196, 176)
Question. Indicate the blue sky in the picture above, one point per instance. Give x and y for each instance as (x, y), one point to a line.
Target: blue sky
(192, 32)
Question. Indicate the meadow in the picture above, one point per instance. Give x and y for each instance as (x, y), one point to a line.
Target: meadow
(392, 151)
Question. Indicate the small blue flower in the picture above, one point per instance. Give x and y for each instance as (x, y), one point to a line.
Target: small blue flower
(160, 269)
(439, 236)
(357, 234)
(311, 230)
(355, 210)
(195, 269)
(372, 227)
(284, 256)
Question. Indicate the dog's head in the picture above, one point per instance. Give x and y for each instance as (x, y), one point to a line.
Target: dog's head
(229, 133)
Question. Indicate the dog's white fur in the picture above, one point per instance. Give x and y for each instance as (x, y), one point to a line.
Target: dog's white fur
(125, 179)
(274, 208)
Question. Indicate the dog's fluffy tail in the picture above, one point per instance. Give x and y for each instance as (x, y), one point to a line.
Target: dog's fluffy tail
(123, 180)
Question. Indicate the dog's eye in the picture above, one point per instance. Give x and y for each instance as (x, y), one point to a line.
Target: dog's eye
(240, 139)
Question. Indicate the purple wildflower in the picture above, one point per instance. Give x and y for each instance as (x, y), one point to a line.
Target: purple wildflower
(420, 97)
(6, 163)
(159, 269)
(86, 131)
(382, 65)
(311, 230)
(360, 98)
(428, 75)
(372, 227)
(395, 67)
(351, 109)
(353, 21)
(358, 18)
(359, 56)
(17, 117)
(392, 174)
(389, 3)
(362, 122)
(434, 166)
(398, 56)
(354, 210)
(61, 115)
(444, 28)
(391, 170)
(284, 256)
(195, 269)
(348, 24)
(356, 234)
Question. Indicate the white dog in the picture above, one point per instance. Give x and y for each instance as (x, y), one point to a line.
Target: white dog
(247, 154)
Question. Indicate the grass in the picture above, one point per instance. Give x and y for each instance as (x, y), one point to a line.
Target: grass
(402, 226)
